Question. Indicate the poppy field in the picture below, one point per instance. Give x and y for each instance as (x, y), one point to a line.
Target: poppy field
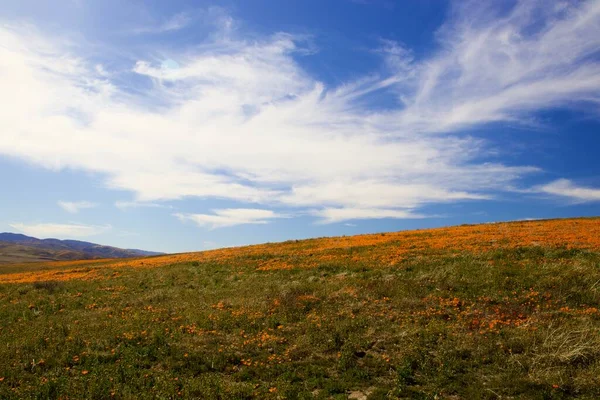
(503, 310)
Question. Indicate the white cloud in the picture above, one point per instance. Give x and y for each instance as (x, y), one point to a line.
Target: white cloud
(566, 188)
(124, 205)
(241, 120)
(231, 216)
(361, 194)
(174, 23)
(60, 231)
(499, 68)
(75, 206)
(330, 215)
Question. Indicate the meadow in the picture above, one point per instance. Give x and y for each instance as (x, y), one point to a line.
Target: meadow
(505, 310)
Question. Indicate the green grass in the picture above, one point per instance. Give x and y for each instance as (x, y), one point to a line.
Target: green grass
(505, 324)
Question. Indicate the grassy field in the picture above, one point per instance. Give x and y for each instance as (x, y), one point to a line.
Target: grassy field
(492, 311)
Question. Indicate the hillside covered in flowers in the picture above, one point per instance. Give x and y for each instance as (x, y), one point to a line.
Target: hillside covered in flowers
(478, 311)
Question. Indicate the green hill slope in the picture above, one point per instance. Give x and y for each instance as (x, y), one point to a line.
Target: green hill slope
(471, 312)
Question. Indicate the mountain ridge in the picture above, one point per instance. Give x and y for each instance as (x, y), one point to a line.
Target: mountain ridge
(16, 247)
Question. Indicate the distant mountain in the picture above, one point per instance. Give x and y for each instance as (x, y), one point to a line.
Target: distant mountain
(15, 247)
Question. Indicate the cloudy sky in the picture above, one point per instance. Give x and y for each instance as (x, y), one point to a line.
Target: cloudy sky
(188, 125)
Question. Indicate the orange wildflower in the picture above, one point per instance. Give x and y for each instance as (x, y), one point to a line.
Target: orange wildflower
(579, 233)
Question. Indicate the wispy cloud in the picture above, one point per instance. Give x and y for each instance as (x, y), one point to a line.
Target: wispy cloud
(74, 207)
(124, 205)
(174, 23)
(567, 189)
(231, 216)
(60, 231)
(240, 119)
(494, 68)
(331, 215)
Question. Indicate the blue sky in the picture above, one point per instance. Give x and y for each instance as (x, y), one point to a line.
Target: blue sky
(188, 125)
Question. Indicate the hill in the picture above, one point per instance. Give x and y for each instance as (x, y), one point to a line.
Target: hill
(507, 310)
(14, 253)
(21, 248)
